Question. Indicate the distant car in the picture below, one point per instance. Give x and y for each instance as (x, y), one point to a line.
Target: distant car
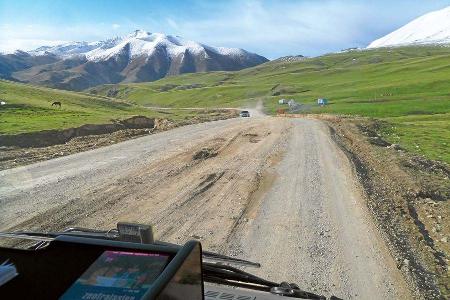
(245, 114)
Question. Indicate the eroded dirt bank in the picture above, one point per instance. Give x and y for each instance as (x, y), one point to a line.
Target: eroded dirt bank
(24, 149)
(408, 196)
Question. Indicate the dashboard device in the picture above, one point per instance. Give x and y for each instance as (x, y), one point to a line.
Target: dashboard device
(82, 268)
(118, 273)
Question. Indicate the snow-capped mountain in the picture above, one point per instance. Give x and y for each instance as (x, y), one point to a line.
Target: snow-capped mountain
(137, 57)
(431, 28)
(65, 50)
(139, 43)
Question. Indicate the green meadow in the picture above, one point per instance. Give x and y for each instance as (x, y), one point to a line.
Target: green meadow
(407, 87)
(28, 108)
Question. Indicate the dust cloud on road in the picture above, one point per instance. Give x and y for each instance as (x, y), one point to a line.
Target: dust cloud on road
(274, 190)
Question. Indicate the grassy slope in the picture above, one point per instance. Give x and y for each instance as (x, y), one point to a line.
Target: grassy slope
(29, 109)
(408, 87)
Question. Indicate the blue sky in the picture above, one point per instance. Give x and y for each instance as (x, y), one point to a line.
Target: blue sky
(269, 28)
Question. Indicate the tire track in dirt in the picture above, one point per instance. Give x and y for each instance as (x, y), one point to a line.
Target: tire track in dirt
(199, 191)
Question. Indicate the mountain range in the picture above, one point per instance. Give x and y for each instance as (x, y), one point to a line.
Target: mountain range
(137, 57)
(142, 56)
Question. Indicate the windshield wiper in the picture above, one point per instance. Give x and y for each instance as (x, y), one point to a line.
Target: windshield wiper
(223, 274)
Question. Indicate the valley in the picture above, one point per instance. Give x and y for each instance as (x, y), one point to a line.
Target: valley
(406, 88)
(330, 170)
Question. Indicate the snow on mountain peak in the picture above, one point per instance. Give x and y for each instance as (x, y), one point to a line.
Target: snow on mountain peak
(137, 43)
(431, 28)
(145, 43)
(139, 33)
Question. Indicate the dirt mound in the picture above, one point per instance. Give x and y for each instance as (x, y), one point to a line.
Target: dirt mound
(54, 137)
(204, 154)
(164, 124)
(138, 122)
(253, 137)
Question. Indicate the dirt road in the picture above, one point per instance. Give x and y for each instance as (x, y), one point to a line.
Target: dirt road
(313, 210)
(275, 190)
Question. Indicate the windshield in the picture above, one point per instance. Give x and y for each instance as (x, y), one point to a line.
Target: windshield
(311, 137)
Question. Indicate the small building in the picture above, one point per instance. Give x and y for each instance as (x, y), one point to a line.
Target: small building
(322, 101)
(282, 101)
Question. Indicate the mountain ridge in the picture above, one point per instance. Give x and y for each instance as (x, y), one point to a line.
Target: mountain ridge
(140, 41)
(137, 57)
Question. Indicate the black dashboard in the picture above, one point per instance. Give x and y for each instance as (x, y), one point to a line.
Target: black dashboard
(83, 268)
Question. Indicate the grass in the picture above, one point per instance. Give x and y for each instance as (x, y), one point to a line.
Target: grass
(29, 109)
(408, 87)
(428, 135)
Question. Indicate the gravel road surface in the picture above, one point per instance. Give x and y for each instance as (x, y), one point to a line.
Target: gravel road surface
(274, 190)
(314, 211)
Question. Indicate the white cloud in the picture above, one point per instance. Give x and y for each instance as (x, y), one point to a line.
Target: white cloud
(270, 28)
(172, 24)
(281, 27)
(276, 29)
(31, 36)
(10, 45)
(284, 29)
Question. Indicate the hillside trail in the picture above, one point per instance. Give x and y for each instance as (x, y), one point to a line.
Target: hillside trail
(274, 190)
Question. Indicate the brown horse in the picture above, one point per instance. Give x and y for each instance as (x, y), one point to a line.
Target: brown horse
(57, 103)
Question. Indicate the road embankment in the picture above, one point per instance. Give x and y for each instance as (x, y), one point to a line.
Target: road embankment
(408, 196)
(26, 148)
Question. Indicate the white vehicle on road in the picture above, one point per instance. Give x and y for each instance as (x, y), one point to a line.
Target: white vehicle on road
(244, 114)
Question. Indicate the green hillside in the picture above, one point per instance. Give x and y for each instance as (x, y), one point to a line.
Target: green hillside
(408, 87)
(28, 108)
